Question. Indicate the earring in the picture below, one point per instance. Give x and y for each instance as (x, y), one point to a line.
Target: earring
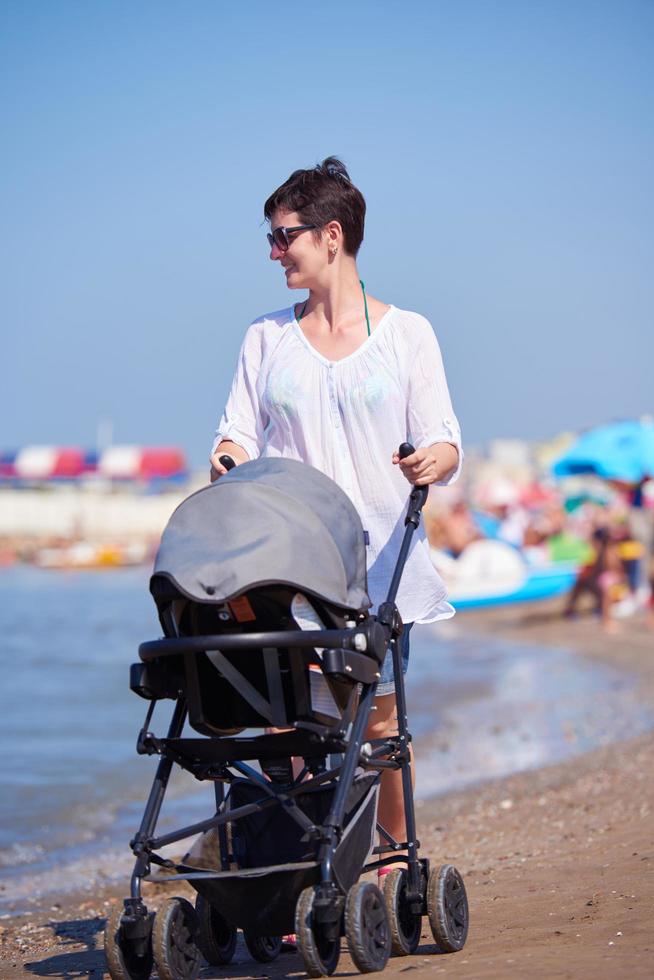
(333, 249)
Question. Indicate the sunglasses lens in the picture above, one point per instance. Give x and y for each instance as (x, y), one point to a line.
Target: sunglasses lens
(270, 239)
(279, 238)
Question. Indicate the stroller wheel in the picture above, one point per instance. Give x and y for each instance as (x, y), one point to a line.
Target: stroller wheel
(404, 924)
(176, 955)
(123, 962)
(216, 939)
(366, 927)
(447, 908)
(264, 949)
(319, 951)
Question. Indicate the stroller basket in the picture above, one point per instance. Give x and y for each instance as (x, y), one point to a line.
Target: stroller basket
(277, 861)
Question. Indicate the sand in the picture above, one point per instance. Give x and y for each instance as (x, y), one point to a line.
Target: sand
(558, 862)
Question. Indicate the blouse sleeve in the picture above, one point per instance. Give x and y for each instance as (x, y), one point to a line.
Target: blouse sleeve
(430, 416)
(242, 421)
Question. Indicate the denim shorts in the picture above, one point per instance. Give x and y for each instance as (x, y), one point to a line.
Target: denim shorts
(386, 683)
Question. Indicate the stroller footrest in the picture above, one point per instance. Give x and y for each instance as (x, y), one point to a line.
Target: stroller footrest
(280, 744)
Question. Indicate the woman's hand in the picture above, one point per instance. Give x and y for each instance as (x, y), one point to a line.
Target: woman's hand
(226, 448)
(429, 465)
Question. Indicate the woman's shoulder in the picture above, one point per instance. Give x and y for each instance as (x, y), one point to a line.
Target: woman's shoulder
(278, 318)
(405, 320)
(410, 320)
(409, 329)
(268, 328)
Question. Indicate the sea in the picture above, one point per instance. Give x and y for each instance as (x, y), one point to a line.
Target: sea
(73, 787)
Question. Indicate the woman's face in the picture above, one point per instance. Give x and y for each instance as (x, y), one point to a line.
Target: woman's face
(306, 259)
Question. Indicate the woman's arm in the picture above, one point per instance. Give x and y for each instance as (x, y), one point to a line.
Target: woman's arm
(431, 422)
(433, 464)
(240, 432)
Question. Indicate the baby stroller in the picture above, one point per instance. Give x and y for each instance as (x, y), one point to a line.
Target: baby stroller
(260, 585)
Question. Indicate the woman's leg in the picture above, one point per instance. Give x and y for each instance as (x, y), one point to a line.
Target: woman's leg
(382, 724)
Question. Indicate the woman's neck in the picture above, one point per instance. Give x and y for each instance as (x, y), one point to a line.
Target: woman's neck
(334, 301)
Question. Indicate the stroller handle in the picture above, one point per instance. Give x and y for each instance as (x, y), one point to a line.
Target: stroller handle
(371, 638)
(417, 501)
(418, 494)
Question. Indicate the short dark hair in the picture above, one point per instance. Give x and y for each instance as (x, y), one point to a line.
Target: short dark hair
(321, 194)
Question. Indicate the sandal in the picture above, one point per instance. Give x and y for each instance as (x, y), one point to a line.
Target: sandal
(386, 870)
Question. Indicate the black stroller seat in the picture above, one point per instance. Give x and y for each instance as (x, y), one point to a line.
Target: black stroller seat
(272, 656)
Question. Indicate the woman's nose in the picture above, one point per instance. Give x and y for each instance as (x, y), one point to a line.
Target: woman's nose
(275, 251)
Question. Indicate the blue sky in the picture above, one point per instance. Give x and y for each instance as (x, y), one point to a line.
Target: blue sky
(505, 150)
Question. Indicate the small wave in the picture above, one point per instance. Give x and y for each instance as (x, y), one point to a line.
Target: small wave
(19, 854)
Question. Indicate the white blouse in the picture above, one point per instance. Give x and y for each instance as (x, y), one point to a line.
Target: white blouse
(346, 418)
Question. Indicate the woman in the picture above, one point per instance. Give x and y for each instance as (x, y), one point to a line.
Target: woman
(339, 381)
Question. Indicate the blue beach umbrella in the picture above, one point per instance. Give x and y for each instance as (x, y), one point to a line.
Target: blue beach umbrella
(621, 451)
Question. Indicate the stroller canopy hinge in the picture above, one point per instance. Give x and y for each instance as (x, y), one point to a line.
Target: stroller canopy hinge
(389, 617)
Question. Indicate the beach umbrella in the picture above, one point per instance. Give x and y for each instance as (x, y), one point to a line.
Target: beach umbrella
(577, 500)
(622, 451)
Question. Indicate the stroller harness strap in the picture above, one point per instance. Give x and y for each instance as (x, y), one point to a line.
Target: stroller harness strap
(272, 710)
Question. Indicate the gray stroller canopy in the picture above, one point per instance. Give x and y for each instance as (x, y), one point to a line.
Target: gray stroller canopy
(270, 521)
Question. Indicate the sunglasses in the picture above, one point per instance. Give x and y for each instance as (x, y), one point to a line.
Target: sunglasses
(279, 236)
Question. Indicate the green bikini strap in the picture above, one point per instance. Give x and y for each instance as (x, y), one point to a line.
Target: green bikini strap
(365, 305)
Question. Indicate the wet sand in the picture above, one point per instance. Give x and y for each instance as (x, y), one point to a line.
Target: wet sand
(558, 862)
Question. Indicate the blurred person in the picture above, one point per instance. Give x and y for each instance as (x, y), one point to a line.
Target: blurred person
(632, 553)
(339, 381)
(435, 522)
(602, 577)
(613, 584)
(587, 581)
(460, 529)
(641, 523)
(513, 524)
(567, 537)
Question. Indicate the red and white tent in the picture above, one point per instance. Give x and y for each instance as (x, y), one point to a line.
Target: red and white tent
(139, 463)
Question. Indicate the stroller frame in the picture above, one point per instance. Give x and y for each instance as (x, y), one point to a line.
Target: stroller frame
(356, 653)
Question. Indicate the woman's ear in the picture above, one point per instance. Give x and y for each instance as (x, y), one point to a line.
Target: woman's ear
(334, 233)
(334, 236)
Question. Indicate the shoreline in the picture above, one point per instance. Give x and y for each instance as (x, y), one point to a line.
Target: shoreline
(558, 861)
